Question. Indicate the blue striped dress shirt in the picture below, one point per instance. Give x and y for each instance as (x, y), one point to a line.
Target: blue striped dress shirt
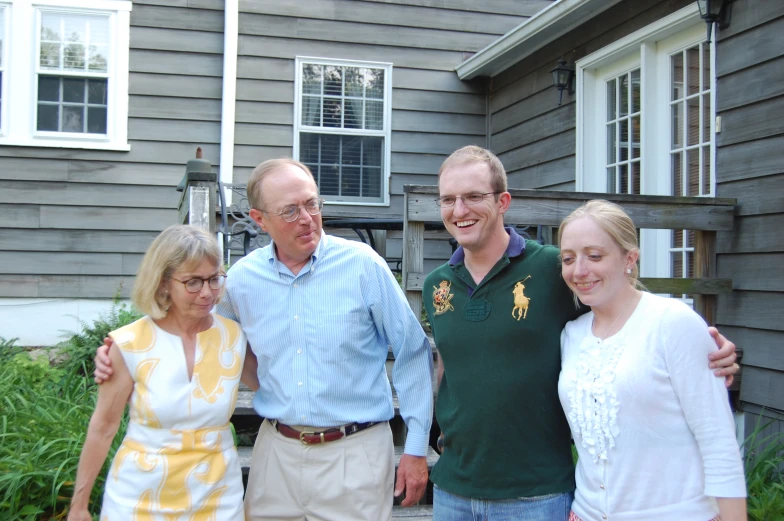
(321, 339)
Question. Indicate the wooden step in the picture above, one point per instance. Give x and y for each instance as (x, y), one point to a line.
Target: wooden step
(245, 453)
(414, 513)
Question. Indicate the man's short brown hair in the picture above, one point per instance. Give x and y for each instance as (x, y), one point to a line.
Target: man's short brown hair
(474, 154)
(263, 170)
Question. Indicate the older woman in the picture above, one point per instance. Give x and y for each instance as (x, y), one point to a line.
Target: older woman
(651, 424)
(181, 367)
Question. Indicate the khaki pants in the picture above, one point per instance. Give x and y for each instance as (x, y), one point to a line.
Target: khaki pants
(350, 479)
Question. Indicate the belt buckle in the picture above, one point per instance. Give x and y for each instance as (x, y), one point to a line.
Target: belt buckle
(302, 435)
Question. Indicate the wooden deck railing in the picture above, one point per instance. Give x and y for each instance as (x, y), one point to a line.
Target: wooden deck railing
(705, 216)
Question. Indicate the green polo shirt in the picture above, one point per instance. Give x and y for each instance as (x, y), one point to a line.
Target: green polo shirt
(506, 435)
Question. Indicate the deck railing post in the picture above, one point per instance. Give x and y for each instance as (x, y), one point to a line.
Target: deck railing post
(705, 267)
(199, 196)
(413, 255)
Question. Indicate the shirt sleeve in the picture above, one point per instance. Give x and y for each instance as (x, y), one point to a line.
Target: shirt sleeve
(412, 373)
(703, 399)
(225, 307)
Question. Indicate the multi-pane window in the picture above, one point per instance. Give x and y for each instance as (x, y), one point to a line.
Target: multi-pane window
(691, 140)
(73, 65)
(70, 73)
(623, 133)
(342, 132)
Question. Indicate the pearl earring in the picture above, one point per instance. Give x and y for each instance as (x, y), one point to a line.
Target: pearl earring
(629, 271)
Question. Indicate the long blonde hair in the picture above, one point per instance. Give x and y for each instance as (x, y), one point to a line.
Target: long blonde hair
(178, 246)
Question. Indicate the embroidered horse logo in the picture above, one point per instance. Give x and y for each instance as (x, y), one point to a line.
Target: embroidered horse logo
(520, 309)
(442, 297)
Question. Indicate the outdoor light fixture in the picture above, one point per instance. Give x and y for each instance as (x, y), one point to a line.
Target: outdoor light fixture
(715, 11)
(563, 79)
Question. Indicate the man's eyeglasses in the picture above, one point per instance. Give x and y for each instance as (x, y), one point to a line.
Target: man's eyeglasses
(194, 285)
(291, 213)
(475, 198)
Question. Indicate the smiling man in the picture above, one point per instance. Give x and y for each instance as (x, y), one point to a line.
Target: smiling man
(319, 313)
(497, 309)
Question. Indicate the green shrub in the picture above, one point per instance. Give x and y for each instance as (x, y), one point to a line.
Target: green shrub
(8, 349)
(764, 463)
(79, 349)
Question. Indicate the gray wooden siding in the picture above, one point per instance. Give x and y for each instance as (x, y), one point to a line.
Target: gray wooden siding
(433, 112)
(750, 65)
(75, 223)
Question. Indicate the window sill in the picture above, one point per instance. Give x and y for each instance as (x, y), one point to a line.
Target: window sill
(353, 203)
(54, 143)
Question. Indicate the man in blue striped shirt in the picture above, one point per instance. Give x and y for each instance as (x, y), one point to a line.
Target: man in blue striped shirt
(319, 313)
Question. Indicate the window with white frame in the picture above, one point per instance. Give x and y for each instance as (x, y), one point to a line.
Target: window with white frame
(73, 93)
(3, 60)
(342, 127)
(645, 126)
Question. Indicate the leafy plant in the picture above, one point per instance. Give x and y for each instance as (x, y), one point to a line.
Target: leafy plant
(79, 349)
(9, 349)
(43, 424)
(764, 463)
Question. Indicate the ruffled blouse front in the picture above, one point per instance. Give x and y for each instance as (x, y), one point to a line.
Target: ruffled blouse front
(593, 402)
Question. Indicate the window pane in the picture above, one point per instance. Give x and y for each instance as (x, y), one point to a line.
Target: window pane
(611, 100)
(312, 78)
(693, 164)
(96, 92)
(374, 83)
(311, 111)
(611, 184)
(309, 149)
(611, 142)
(371, 182)
(706, 67)
(73, 90)
(706, 118)
(636, 137)
(73, 119)
(352, 150)
(330, 149)
(355, 79)
(333, 80)
(636, 90)
(706, 168)
(371, 151)
(48, 116)
(333, 112)
(677, 174)
(624, 138)
(624, 95)
(677, 125)
(2, 35)
(48, 88)
(635, 178)
(677, 76)
(623, 177)
(350, 181)
(374, 115)
(353, 117)
(74, 42)
(96, 120)
(693, 71)
(693, 117)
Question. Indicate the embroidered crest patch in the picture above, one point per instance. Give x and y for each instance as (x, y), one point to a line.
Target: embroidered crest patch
(442, 297)
(477, 310)
(521, 302)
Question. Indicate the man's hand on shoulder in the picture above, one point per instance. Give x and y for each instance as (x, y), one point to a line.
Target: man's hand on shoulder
(103, 364)
(411, 479)
(723, 360)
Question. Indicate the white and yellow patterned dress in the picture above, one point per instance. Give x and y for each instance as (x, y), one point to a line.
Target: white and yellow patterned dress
(178, 461)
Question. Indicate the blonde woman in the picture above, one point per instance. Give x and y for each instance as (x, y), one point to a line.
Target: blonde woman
(180, 366)
(652, 425)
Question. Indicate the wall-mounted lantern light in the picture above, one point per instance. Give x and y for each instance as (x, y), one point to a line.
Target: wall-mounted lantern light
(715, 12)
(563, 79)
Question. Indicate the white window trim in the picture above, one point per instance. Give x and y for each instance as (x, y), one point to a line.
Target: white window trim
(386, 132)
(637, 50)
(5, 55)
(18, 126)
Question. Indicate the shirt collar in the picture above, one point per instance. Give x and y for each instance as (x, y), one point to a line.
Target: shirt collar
(515, 248)
(322, 245)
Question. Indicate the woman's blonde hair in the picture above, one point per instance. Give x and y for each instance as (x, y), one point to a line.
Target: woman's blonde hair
(616, 222)
(179, 246)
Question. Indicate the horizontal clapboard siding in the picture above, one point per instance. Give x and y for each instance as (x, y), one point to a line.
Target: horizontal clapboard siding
(750, 63)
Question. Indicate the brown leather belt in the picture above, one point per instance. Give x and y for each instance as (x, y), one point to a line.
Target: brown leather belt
(314, 438)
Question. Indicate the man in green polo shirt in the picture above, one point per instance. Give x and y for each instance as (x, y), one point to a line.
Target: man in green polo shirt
(497, 309)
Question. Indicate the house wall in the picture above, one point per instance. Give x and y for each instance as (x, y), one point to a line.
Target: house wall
(74, 224)
(536, 139)
(750, 68)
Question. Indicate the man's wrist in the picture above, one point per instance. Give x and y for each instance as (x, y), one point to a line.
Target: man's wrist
(416, 444)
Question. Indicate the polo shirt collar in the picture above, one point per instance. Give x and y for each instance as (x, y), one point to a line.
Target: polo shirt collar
(515, 248)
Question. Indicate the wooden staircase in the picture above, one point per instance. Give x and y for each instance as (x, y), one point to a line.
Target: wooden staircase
(247, 423)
